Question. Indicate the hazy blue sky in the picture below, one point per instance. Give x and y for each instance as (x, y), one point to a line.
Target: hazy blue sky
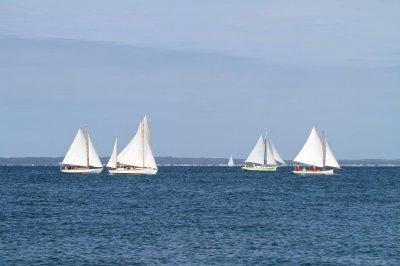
(211, 75)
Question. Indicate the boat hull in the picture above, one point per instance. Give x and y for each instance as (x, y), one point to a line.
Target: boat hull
(82, 171)
(135, 171)
(322, 172)
(260, 168)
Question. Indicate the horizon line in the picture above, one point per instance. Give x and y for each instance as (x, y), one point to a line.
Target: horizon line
(183, 157)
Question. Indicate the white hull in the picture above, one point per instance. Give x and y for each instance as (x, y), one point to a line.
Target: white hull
(82, 171)
(260, 168)
(322, 172)
(135, 171)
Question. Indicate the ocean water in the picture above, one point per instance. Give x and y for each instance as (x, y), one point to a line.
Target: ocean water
(200, 216)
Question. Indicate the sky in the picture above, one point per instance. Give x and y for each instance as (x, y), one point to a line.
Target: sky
(211, 75)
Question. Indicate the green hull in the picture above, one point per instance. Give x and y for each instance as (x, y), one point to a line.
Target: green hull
(260, 168)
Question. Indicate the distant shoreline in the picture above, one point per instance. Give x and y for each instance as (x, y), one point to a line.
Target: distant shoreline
(178, 161)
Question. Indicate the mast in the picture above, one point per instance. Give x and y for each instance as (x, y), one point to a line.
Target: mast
(323, 149)
(116, 152)
(265, 151)
(142, 144)
(265, 147)
(87, 147)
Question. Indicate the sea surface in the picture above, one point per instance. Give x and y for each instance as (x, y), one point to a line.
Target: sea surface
(200, 216)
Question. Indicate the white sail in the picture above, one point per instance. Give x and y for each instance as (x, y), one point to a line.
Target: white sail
(94, 159)
(330, 159)
(257, 155)
(276, 154)
(149, 161)
(112, 163)
(132, 154)
(312, 151)
(76, 154)
(123, 152)
(230, 162)
(269, 160)
(147, 130)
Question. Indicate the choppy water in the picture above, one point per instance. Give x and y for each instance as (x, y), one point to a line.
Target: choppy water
(200, 215)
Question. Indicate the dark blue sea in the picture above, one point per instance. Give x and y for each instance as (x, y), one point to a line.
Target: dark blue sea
(200, 216)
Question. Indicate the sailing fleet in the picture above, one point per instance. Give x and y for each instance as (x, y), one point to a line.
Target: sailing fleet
(136, 158)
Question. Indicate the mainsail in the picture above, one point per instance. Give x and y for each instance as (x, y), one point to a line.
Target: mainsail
(312, 151)
(258, 153)
(132, 154)
(76, 154)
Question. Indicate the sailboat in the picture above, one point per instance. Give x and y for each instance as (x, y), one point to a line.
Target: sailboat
(316, 152)
(230, 162)
(137, 157)
(81, 157)
(262, 157)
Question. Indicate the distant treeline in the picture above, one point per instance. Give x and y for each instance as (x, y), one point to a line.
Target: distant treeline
(171, 161)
